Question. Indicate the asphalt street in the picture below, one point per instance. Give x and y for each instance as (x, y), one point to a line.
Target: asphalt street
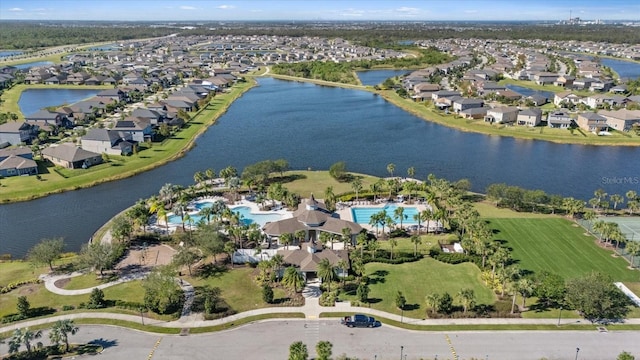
(271, 340)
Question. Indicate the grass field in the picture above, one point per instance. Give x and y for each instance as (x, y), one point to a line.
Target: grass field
(488, 210)
(418, 279)
(317, 181)
(559, 246)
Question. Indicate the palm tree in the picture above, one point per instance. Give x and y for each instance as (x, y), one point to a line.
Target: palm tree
(23, 336)
(411, 172)
(391, 167)
(167, 192)
(361, 241)
(61, 331)
(398, 213)
(343, 265)
(393, 242)
(292, 279)
(346, 237)
(374, 220)
(426, 215)
(633, 249)
(616, 199)
(210, 175)
(419, 219)
(467, 298)
(330, 198)
(373, 245)
(356, 185)
(277, 260)
(206, 213)
(230, 249)
(375, 189)
(326, 272)
(599, 227)
(432, 301)
(286, 239)
(525, 288)
(415, 240)
(198, 177)
(300, 235)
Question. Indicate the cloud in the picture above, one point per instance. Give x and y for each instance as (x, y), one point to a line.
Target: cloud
(226, 7)
(184, 7)
(471, 11)
(16, 9)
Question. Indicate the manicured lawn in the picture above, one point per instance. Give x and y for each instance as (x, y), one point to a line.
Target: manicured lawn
(84, 281)
(559, 246)
(14, 271)
(488, 210)
(406, 246)
(239, 290)
(317, 181)
(418, 279)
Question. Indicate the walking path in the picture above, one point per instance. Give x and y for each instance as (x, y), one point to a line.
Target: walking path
(311, 309)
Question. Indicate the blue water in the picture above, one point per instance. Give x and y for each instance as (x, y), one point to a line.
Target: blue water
(106, 47)
(10, 53)
(375, 77)
(246, 216)
(362, 215)
(33, 64)
(32, 100)
(528, 92)
(626, 69)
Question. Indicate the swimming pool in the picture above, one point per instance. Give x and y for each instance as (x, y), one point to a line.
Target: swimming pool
(362, 215)
(246, 216)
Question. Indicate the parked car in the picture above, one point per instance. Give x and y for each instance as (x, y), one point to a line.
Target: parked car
(360, 320)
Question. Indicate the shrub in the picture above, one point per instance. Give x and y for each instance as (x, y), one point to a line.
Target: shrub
(327, 299)
(96, 300)
(267, 293)
(68, 307)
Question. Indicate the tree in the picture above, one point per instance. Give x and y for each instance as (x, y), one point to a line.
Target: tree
(293, 279)
(23, 337)
(96, 299)
(391, 167)
(326, 272)
(324, 350)
(286, 239)
(361, 240)
(363, 292)
(467, 298)
(211, 296)
(23, 307)
(46, 252)
(625, 356)
(445, 303)
(210, 240)
(433, 302)
(616, 199)
(526, 288)
(633, 249)
(398, 214)
(99, 256)
(267, 293)
(162, 293)
(400, 300)
(356, 185)
(550, 288)
(338, 170)
(298, 351)
(393, 243)
(185, 257)
(60, 332)
(415, 240)
(411, 172)
(597, 298)
(121, 228)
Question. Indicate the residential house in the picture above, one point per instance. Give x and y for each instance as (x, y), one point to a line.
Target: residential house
(566, 97)
(462, 104)
(489, 87)
(70, 156)
(502, 115)
(582, 83)
(601, 85)
(112, 94)
(444, 94)
(155, 116)
(45, 118)
(77, 78)
(5, 80)
(559, 119)
(139, 128)
(538, 100)
(592, 122)
(621, 120)
(108, 142)
(529, 117)
(597, 100)
(545, 78)
(565, 81)
(16, 133)
(474, 113)
(509, 94)
(16, 162)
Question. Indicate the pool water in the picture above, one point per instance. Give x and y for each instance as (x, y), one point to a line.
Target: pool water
(246, 216)
(362, 215)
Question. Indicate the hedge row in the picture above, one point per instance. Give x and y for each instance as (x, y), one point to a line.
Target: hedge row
(14, 285)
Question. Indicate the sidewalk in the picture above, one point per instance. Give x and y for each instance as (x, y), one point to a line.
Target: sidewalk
(311, 309)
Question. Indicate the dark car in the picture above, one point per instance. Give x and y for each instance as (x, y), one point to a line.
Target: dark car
(360, 320)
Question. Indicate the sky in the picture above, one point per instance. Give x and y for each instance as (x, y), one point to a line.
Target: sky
(234, 10)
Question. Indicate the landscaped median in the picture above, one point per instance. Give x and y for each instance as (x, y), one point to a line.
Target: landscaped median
(21, 188)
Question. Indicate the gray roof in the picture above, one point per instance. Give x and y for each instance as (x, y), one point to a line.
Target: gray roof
(20, 151)
(68, 152)
(17, 162)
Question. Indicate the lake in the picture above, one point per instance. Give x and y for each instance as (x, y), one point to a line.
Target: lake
(528, 92)
(32, 100)
(32, 64)
(313, 127)
(8, 53)
(375, 77)
(626, 69)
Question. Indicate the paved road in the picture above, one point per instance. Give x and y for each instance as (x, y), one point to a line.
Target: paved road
(271, 340)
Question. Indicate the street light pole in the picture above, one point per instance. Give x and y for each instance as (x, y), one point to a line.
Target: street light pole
(141, 315)
(577, 351)
(401, 351)
(559, 315)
